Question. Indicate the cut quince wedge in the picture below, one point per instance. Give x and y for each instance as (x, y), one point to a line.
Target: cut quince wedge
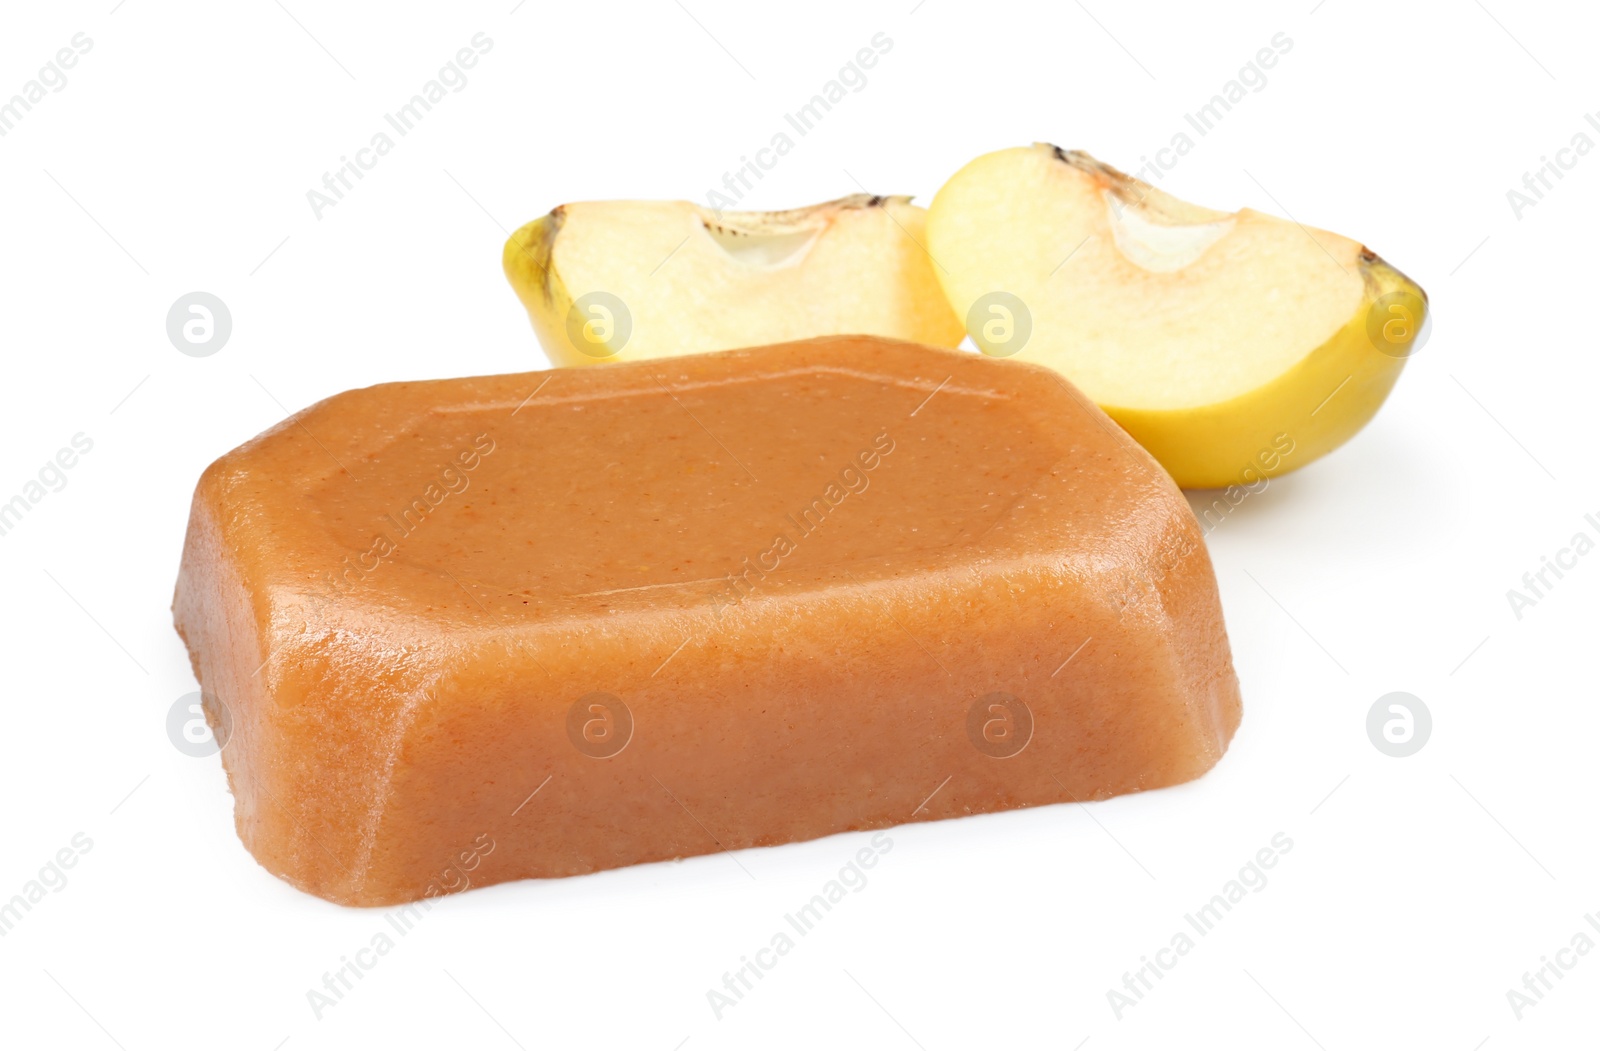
(622, 280)
(1232, 345)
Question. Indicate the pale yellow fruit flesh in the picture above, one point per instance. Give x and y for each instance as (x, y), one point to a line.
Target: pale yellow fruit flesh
(1218, 340)
(692, 280)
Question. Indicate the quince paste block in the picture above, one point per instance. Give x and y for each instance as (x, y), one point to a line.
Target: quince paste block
(475, 630)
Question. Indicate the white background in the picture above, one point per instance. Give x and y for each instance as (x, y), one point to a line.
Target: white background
(1418, 890)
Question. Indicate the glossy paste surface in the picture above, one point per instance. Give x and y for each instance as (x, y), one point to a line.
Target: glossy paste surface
(535, 625)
